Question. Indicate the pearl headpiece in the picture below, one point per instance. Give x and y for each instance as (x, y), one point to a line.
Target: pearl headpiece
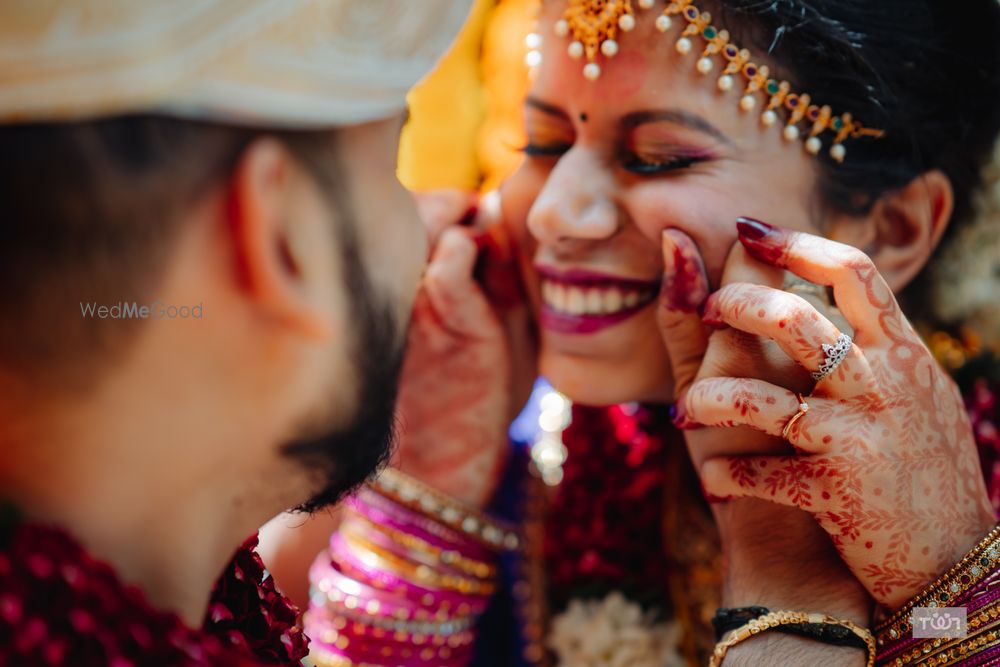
(593, 27)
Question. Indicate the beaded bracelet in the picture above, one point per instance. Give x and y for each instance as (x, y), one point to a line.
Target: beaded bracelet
(776, 619)
(726, 620)
(417, 496)
(948, 589)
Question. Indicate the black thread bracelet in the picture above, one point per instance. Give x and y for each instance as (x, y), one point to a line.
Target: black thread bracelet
(726, 620)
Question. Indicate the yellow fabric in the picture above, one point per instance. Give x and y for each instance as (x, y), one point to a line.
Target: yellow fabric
(466, 127)
(502, 139)
(437, 148)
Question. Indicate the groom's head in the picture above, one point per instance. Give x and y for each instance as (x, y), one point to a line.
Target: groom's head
(222, 255)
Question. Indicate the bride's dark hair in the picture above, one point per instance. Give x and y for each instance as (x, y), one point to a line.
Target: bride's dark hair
(925, 71)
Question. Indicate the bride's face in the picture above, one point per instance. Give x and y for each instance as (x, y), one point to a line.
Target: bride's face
(652, 144)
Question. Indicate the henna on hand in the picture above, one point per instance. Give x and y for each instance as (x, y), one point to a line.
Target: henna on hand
(889, 465)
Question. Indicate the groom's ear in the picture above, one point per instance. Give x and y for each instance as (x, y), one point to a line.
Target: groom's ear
(269, 225)
(904, 227)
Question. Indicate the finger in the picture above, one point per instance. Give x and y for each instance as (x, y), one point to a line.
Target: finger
(859, 290)
(456, 298)
(440, 209)
(740, 267)
(794, 481)
(729, 402)
(682, 293)
(790, 321)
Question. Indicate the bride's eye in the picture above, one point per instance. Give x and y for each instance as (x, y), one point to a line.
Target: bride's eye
(539, 149)
(646, 166)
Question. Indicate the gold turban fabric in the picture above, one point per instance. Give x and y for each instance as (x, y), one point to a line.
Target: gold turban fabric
(295, 63)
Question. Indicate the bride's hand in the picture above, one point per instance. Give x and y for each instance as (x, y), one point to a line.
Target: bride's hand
(776, 556)
(457, 393)
(884, 458)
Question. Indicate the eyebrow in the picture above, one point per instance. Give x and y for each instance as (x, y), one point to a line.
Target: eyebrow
(546, 108)
(630, 121)
(678, 117)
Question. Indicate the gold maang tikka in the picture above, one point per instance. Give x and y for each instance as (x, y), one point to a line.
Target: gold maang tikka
(593, 27)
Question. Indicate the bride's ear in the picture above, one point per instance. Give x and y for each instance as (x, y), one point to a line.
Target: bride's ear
(904, 227)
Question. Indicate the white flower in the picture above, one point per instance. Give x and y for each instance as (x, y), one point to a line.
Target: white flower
(613, 633)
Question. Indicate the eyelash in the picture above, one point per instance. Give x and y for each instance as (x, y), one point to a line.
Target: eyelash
(637, 165)
(634, 163)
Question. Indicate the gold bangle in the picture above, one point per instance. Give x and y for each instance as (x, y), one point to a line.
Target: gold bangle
(964, 575)
(777, 619)
(419, 497)
(419, 574)
(430, 570)
(412, 543)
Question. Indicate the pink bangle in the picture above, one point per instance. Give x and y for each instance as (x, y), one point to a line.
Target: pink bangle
(341, 590)
(324, 653)
(434, 634)
(352, 566)
(380, 510)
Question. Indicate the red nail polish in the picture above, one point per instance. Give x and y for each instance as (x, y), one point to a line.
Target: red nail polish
(678, 415)
(712, 315)
(684, 285)
(764, 242)
(713, 499)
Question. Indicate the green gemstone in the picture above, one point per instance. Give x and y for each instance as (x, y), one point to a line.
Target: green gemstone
(837, 123)
(943, 597)
(710, 33)
(772, 87)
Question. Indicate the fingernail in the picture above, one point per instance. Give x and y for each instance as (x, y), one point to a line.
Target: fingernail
(470, 216)
(713, 499)
(763, 241)
(712, 315)
(678, 415)
(684, 285)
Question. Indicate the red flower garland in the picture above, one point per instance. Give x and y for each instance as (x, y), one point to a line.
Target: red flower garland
(604, 527)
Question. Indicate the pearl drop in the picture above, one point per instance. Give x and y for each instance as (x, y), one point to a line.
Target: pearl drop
(609, 48)
(663, 23)
(791, 132)
(592, 71)
(814, 145)
(769, 118)
(683, 46)
(561, 28)
(725, 83)
(705, 65)
(533, 59)
(747, 103)
(647, 4)
(838, 152)
(626, 22)
(575, 49)
(533, 40)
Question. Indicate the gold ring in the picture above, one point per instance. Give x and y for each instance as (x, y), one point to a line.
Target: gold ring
(803, 409)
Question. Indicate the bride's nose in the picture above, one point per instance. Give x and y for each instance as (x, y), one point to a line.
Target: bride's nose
(576, 202)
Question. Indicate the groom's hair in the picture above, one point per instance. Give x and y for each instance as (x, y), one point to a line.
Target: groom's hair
(90, 213)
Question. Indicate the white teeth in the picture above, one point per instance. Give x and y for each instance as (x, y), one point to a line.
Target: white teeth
(595, 303)
(559, 300)
(613, 300)
(591, 301)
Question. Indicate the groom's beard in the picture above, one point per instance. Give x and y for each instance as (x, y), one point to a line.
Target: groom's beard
(347, 456)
